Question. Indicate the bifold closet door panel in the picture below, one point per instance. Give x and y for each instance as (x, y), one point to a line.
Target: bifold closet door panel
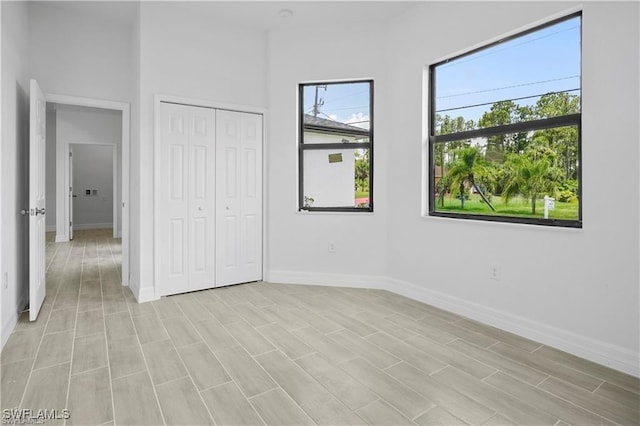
(238, 197)
(185, 216)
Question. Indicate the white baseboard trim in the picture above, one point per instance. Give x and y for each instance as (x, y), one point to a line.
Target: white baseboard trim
(79, 226)
(328, 279)
(613, 356)
(600, 352)
(62, 238)
(146, 294)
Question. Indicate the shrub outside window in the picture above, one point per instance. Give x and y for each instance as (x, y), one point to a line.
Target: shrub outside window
(336, 146)
(505, 130)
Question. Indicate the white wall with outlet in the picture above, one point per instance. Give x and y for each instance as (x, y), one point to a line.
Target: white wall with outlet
(93, 185)
(573, 289)
(316, 247)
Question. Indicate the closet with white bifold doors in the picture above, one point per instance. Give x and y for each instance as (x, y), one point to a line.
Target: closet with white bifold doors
(208, 230)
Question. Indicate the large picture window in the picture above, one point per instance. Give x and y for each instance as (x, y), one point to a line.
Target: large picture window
(336, 146)
(505, 124)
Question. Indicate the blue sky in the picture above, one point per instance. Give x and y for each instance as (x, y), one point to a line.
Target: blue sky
(544, 61)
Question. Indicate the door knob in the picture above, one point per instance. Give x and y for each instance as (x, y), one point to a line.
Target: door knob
(41, 211)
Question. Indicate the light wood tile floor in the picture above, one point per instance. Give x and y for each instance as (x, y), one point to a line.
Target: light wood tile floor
(283, 354)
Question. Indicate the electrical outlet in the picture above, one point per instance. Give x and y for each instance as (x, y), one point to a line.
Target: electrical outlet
(495, 272)
(5, 280)
(331, 247)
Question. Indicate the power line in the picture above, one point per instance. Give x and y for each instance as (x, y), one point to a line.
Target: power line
(493, 52)
(508, 87)
(508, 100)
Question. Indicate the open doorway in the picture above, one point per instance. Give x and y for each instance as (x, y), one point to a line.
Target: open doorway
(88, 142)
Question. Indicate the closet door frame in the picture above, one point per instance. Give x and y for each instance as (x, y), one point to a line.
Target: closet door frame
(157, 170)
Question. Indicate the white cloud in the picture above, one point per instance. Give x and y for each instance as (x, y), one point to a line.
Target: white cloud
(359, 120)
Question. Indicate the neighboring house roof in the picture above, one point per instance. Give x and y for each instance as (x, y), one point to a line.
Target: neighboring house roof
(323, 125)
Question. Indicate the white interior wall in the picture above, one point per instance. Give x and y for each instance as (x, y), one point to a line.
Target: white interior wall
(85, 125)
(573, 289)
(186, 52)
(92, 170)
(298, 241)
(14, 158)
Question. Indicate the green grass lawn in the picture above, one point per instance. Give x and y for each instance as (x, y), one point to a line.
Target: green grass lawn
(362, 194)
(516, 207)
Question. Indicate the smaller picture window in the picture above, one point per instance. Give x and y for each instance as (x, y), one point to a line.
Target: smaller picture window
(336, 146)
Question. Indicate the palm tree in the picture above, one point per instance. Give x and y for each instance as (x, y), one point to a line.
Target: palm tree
(464, 169)
(531, 175)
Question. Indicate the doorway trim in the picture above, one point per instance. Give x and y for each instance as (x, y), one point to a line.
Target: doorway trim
(125, 109)
(203, 103)
(114, 167)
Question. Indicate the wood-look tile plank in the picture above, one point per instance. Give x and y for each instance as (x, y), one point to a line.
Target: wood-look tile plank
(54, 349)
(407, 353)
(312, 397)
(285, 341)
(500, 420)
(90, 398)
(507, 405)
(501, 335)
(277, 408)
(14, 380)
(163, 361)
(47, 388)
(286, 318)
(438, 416)
(384, 325)
(228, 406)
(21, 345)
(605, 373)
(364, 349)
(254, 342)
(215, 335)
(204, 368)
(149, 328)
(61, 320)
(322, 324)
(351, 324)
(166, 308)
(540, 362)
(379, 412)
(544, 401)
(220, 311)
(113, 303)
(89, 353)
(465, 334)
(245, 371)
(485, 356)
(181, 403)
(135, 402)
(181, 331)
(344, 387)
(125, 356)
(254, 316)
(614, 410)
(457, 403)
(328, 347)
(422, 329)
(119, 325)
(616, 393)
(89, 322)
(404, 399)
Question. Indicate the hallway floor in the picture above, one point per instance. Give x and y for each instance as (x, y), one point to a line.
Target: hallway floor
(282, 354)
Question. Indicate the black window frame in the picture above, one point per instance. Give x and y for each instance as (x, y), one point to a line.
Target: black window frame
(540, 124)
(302, 147)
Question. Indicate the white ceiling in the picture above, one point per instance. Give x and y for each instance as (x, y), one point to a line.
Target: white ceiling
(260, 15)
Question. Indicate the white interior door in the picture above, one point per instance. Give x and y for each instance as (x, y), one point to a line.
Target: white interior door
(185, 250)
(71, 195)
(238, 197)
(37, 155)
